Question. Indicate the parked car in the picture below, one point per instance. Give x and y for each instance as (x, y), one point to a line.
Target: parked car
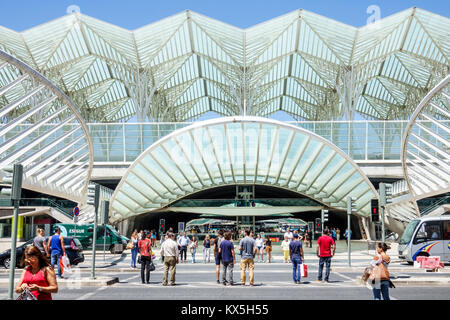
(74, 251)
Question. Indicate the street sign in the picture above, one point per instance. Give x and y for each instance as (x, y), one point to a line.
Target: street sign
(76, 211)
(180, 226)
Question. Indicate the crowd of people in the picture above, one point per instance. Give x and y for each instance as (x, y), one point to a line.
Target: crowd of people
(251, 249)
(39, 277)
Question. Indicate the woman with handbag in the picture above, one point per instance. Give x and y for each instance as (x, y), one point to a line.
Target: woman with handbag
(193, 247)
(379, 276)
(133, 245)
(38, 277)
(145, 250)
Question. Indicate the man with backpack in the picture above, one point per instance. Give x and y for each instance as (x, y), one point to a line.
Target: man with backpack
(217, 255)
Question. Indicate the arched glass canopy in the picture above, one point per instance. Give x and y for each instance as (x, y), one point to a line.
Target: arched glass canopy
(240, 150)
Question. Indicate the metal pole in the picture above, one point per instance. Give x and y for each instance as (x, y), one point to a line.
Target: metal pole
(12, 266)
(382, 189)
(94, 242)
(349, 236)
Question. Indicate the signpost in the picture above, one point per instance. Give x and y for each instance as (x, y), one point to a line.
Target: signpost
(13, 178)
(76, 213)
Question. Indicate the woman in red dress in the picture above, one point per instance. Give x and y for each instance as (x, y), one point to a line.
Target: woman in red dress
(38, 277)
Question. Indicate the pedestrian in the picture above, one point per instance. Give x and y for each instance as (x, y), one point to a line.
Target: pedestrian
(57, 250)
(169, 250)
(297, 258)
(145, 249)
(285, 249)
(333, 234)
(206, 249)
(193, 247)
(325, 251)
(338, 234)
(183, 242)
(217, 255)
(226, 250)
(134, 249)
(268, 246)
(248, 247)
(140, 235)
(289, 234)
(348, 235)
(153, 238)
(380, 275)
(40, 243)
(310, 236)
(37, 277)
(259, 242)
(307, 239)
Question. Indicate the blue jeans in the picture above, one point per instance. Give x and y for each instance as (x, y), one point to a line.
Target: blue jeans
(296, 275)
(194, 250)
(55, 259)
(327, 262)
(384, 290)
(134, 252)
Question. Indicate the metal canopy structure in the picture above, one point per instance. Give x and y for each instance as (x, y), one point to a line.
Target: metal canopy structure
(240, 151)
(425, 153)
(179, 68)
(42, 129)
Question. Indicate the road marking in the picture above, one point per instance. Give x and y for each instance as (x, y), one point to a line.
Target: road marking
(90, 294)
(344, 276)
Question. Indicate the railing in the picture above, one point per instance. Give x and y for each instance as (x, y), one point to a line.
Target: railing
(362, 140)
(435, 205)
(63, 206)
(267, 202)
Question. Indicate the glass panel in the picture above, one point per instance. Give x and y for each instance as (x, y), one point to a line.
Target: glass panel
(375, 141)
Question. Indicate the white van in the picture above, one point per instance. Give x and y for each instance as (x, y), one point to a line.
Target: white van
(427, 236)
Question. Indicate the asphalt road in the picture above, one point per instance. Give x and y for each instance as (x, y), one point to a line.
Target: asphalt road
(272, 282)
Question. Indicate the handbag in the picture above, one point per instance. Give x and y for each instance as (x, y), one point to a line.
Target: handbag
(152, 266)
(26, 295)
(366, 274)
(130, 245)
(139, 260)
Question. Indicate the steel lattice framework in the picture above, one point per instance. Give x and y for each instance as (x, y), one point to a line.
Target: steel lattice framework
(179, 68)
(42, 129)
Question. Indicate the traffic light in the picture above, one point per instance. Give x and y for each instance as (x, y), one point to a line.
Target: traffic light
(14, 178)
(162, 225)
(351, 205)
(318, 225)
(93, 193)
(374, 210)
(385, 191)
(105, 212)
(324, 216)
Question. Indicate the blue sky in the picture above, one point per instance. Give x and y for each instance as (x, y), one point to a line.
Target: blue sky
(20, 15)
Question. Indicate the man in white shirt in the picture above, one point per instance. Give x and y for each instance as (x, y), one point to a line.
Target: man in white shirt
(289, 234)
(169, 250)
(183, 242)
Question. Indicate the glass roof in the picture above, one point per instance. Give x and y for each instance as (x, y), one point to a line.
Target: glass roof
(179, 68)
(240, 150)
